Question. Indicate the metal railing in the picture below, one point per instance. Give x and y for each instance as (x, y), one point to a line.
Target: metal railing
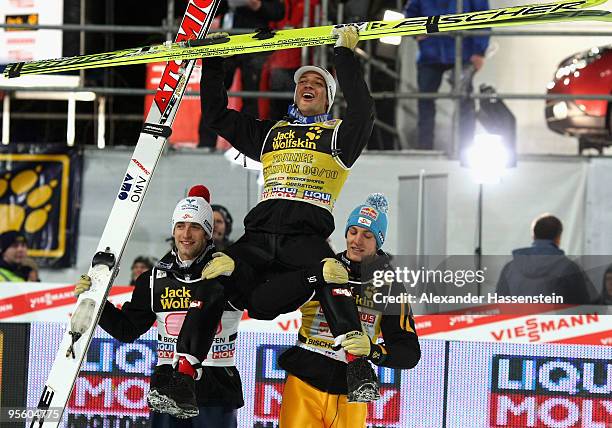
(169, 28)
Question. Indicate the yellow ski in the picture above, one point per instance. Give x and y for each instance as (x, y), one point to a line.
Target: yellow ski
(570, 10)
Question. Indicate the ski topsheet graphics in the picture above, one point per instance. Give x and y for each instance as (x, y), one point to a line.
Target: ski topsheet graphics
(105, 264)
(314, 36)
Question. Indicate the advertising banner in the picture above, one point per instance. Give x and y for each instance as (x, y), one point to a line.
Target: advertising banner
(13, 364)
(455, 384)
(39, 301)
(40, 191)
(27, 45)
(113, 383)
(513, 385)
(25, 302)
(402, 398)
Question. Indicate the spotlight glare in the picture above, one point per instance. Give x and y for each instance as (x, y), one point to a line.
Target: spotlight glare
(488, 158)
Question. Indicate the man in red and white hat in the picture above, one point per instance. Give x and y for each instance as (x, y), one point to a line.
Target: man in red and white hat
(164, 294)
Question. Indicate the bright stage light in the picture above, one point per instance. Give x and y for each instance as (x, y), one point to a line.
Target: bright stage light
(488, 158)
(392, 15)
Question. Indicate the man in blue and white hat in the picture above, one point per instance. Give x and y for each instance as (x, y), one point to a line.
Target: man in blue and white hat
(317, 392)
(372, 218)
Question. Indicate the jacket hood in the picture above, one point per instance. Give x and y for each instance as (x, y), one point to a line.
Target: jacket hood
(539, 260)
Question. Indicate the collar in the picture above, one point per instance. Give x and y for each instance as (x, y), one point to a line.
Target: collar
(354, 268)
(185, 264)
(296, 116)
(17, 269)
(544, 243)
(380, 260)
(171, 262)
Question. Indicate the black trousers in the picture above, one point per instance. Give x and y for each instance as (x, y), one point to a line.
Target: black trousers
(270, 278)
(429, 79)
(209, 417)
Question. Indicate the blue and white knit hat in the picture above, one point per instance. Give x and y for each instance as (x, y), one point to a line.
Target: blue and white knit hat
(372, 216)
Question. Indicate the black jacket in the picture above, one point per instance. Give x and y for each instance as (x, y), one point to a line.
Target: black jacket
(21, 271)
(244, 17)
(247, 134)
(219, 386)
(401, 344)
(544, 269)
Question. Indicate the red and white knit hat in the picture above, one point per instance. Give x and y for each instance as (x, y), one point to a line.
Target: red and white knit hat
(195, 208)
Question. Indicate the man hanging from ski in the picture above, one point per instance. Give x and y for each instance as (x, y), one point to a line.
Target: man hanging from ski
(306, 159)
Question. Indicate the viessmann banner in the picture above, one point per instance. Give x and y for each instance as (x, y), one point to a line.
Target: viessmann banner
(486, 384)
(27, 302)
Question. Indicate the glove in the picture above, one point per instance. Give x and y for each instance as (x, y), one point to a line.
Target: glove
(82, 285)
(357, 343)
(221, 264)
(348, 37)
(334, 271)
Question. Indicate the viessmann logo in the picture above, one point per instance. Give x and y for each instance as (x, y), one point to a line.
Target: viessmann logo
(535, 328)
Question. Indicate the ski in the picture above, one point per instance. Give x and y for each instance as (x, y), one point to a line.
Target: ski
(105, 264)
(567, 10)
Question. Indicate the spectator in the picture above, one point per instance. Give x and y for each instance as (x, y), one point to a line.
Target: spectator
(139, 265)
(436, 56)
(255, 14)
(14, 266)
(222, 228)
(284, 63)
(543, 268)
(606, 292)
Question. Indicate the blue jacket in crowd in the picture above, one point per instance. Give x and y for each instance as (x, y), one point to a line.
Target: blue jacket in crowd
(441, 49)
(543, 268)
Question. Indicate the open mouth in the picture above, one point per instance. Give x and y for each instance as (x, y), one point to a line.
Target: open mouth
(308, 95)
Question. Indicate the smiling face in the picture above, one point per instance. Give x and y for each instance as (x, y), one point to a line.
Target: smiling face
(311, 94)
(189, 239)
(360, 243)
